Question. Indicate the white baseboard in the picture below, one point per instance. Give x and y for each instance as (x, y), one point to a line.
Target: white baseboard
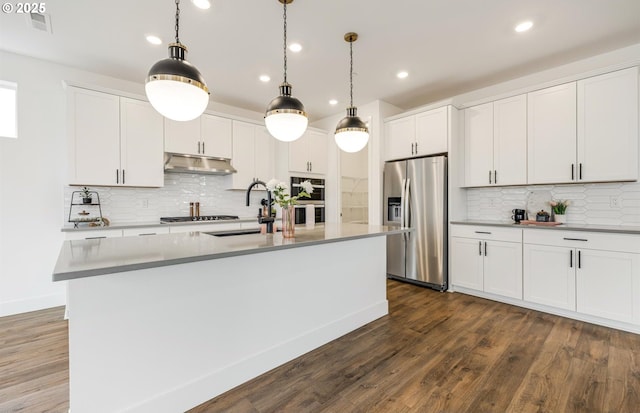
(31, 304)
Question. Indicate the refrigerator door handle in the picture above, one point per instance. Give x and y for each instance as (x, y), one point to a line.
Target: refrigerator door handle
(407, 201)
(403, 202)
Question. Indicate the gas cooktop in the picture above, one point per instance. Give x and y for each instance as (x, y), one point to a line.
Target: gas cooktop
(165, 220)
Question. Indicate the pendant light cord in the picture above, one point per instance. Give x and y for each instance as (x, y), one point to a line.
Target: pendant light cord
(351, 72)
(285, 41)
(177, 20)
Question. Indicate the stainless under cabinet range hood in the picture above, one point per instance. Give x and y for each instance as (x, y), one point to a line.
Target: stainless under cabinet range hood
(197, 164)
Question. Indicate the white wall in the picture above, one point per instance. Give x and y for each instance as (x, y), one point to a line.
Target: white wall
(33, 176)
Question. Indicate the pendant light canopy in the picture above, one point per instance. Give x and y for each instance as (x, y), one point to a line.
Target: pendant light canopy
(285, 117)
(352, 133)
(174, 86)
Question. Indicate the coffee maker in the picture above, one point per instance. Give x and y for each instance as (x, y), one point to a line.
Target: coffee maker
(518, 215)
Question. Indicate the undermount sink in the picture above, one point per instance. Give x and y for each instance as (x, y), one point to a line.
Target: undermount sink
(235, 232)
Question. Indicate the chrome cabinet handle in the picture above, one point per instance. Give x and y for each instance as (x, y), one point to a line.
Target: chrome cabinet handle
(570, 258)
(495, 177)
(416, 148)
(482, 232)
(485, 248)
(576, 239)
(123, 177)
(117, 176)
(198, 147)
(580, 171)
(96, 237)
(480, 248)
(489, 176)
(310, 166)
(573, 171)
(203, 150)
(579, 259)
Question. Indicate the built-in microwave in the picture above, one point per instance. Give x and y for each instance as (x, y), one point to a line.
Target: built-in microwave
(317, 199)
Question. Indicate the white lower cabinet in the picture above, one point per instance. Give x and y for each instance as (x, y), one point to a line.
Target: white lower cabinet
(595, 274)
(487, 259)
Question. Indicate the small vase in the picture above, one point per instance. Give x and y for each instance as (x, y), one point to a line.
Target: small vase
(288, 221)
(560, 218)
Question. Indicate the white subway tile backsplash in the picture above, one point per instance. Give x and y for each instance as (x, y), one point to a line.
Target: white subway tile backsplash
(132, 205)
(590, 203)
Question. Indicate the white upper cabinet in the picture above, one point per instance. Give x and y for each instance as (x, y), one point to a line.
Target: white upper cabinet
(422, 134)
(141, 145)
(253, 155)
(113, 141)
(308, 154)
(496, 143)
(207, 135)
(552, 134)
(478, 145)
(608, 127)
(586, 131)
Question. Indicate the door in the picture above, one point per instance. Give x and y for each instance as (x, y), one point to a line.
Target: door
(426, 213)
(217, 136)
(141, 144)
(317, 151)
(182, 137)
(243, 154)
(608, 285)
(552, 134)
(432, 131)
(298, 156)
(608, 126)
(264, 154)
(510, 141)
(395, 176)
(550, 276)
(503, 268)
(466, 263)
(478, 145)
(400, 136)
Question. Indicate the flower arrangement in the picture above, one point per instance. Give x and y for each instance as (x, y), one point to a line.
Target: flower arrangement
(559, 207)
(281, 195)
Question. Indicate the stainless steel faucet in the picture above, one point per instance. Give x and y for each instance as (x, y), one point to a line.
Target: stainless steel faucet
(261, 218)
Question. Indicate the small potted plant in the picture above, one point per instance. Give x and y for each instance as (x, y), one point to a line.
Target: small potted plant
(86, 195)
(559, 209)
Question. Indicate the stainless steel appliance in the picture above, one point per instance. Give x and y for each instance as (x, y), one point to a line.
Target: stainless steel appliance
(317, 199)
(415, 196)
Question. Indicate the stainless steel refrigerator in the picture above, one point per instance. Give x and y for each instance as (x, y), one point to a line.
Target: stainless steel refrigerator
(415, 196)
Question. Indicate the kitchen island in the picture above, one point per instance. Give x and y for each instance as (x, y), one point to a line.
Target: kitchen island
(166, 322)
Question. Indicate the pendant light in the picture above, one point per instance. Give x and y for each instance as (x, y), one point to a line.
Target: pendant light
(285, 117)
(352, 133)
(174, 86)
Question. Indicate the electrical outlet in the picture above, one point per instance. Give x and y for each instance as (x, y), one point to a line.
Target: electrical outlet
(614, 202)
(145, 203)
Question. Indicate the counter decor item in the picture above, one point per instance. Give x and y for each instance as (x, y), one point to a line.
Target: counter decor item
(282, 197)
(542, 216)
(559, 209)
(83, 209)
(86, 195)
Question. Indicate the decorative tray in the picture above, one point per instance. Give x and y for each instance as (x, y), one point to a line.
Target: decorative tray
(544, 224)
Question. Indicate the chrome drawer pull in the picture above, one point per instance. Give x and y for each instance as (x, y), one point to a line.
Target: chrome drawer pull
(482, 232)
(575, 239)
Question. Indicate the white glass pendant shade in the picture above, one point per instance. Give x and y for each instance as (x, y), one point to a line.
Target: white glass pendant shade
(352, 134)
(175, 88)
(285, 117)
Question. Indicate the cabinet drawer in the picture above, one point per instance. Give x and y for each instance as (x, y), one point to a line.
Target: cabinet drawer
(131, 232)
(583, 239)
(98, 233)
(203, 227)
(487, 233)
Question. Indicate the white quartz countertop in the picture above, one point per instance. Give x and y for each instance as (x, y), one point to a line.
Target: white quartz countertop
(621, 229)
(92, 257)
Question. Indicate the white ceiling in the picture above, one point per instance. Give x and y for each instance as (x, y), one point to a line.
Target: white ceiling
(447, 46)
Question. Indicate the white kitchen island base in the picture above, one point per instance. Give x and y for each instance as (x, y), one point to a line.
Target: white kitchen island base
(166, 339)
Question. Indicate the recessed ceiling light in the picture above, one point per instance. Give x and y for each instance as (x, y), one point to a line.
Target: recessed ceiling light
(295, 47)
(333, 102)
(202, 4)
(402, 75)
(264, 78)
(154, 39)
(524, 26)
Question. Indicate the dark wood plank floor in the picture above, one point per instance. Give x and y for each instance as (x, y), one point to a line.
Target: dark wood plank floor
(435, 352)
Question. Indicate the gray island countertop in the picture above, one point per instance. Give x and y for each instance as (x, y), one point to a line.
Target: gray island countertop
(91, 257)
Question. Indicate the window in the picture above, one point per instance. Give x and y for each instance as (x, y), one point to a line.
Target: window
(8, 109)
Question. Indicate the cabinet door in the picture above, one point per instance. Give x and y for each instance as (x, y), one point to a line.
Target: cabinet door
(400, 136)
(182, 137)
(503, 268)
(264, 154)
(608, 127)
(298, 156)
(549, 276)
(466, 263)
(141, 144)
(510, 141)
(608, 285)
(243, 155)
(478, 145)
(552, 134)
(217, 136)
(432, 129)
(94, 137)
(317, 150)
